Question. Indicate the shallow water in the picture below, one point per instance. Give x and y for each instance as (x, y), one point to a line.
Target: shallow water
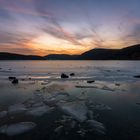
(112, 100)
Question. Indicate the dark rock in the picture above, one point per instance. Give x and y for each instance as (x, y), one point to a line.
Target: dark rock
(72, 74)
(117, 84)
(11, 78)
(137, 76)
(64, 75)
(15, 81)
(90, 81)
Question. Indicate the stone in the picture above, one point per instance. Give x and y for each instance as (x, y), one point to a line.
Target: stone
(64, 75)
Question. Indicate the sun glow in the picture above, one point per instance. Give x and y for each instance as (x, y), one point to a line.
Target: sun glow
(45, 44)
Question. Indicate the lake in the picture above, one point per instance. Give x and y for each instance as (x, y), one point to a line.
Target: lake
(100, 101)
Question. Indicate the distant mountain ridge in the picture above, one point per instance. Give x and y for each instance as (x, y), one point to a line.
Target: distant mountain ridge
(128, 53)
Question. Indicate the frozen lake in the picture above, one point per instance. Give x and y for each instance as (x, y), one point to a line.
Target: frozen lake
(101, 101)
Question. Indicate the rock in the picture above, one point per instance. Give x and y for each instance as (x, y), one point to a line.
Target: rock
(15, 81)
(17, 128)
(72, 74)
(90, 81)
(64, 75)
(11, 78)
(137, 76)
(117, 84)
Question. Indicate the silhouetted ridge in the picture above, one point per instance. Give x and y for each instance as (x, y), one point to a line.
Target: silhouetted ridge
(12, 56)
(128, 53)
(61, 57)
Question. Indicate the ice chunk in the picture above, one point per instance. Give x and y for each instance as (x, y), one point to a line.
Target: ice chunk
(98, 127)
(102, 107)
(58, 131)
(17, 128)
(3, 114)
(107, 88)
(77, 110)
(39, 111)
(17, 108)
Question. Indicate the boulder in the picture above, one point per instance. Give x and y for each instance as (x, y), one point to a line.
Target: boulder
(11, 78)
(137, 76)
(15, 81)
(64, 75)
(72, 74)
(90, 81)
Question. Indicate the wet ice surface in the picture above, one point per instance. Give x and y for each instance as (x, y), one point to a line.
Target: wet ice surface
(43, 106)
(17, 128)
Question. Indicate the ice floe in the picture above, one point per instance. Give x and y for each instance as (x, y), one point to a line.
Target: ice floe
(102, 107)
(95, 126)
(17, 108)
(39, 111)
(17, 128)
(58, 131)
(77, 110)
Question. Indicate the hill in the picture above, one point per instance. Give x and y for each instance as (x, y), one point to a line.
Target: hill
(128, 53)
(12, 56)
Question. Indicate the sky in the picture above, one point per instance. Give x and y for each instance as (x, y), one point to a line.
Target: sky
(42, 27)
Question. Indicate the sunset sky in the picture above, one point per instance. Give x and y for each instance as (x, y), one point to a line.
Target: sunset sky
(44, 27)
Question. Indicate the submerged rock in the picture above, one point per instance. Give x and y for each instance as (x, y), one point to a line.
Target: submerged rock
(64, 75)
(17, 128)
